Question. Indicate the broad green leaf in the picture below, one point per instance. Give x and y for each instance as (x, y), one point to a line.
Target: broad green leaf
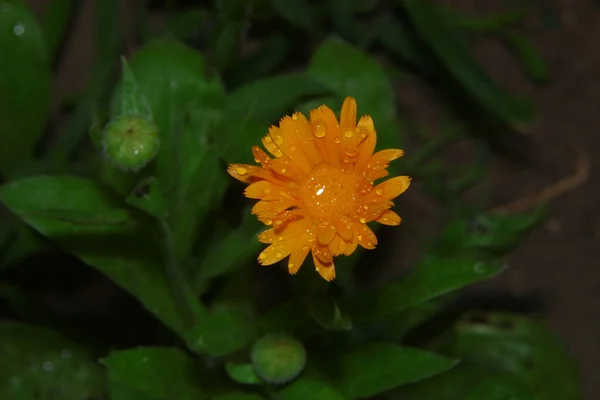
(375, 368)
(530, 58)
(72, 212)
(228, 328)
(522, 346)
(160, 372)
(238, 396)
(133, 101)
(297, 12)
(443, 39)
(309, 388)
(220, 259)
(466, 382)
(489, 233)
(25, 80)
(38, 363)
(227, 32)
(243, 373)
(434, 277)
(148, 196)
(347, 71)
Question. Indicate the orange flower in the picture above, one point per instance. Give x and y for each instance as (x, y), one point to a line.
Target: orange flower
(317, 192)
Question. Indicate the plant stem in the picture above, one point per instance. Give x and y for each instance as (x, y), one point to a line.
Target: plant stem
(180, 290)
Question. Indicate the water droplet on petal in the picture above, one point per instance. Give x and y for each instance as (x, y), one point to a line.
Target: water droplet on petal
(268, 222)
(291, 265)
(379, 191)
(268, 139)
(350, 151)
(359, 237)
(295, 116)
(348, 133)
(337, 140)
(262, 256)
(292, 148)
(320, 129)
(241, 170)
(280, 238)
(279, 139)
(363, 220)
(278, 255)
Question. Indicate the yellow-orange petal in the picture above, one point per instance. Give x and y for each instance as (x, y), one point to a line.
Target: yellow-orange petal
(297, 258)
(389, 218)
(304, 137)
(267, 210)
(264, 190)
(325, 233)
(267, 236)
(348, 115)
(325, 269)
(372, 211)
(392, 187)
(290, 146)
(274, 253)
(345, 229)
(366, 143)
(367, 238)
(326, 133)
(261, 157)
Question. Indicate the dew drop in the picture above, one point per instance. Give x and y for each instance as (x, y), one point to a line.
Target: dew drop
(317, 269)
(337, 140)
(280, 238)
(279, 140)
(359, 237)
(346, 159)
(379, 191)
(268, 139)
(295, 117)
(262, 256)
(350, 151)
(241, 170)
(268, 222)
(348, 133)
(267, 191)
(291, 265)
(320, 130)
(278, 255)
(292, 148)
(283, 170)
(363, 220)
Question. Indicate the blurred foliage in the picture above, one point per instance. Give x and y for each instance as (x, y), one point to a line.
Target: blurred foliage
(206, 84)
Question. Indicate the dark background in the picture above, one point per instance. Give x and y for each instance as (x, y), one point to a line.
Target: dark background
(558, 264)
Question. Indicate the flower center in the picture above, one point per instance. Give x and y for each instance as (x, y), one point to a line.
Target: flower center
(332, 192)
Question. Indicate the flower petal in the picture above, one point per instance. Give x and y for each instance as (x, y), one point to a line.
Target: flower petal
(325, 233)
(261, 157)
(305, 138)
(345, 229)
(389, 218)
(297, 258)
(372, 211)
(325, 129)
(291, 146)
(264, 190)
(325, 268)
(392, 188)
(348, 115)
(275, 253)
(367, 140)
(269, 142)
(366, 238)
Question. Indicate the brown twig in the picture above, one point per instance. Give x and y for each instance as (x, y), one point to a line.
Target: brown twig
(581, 175)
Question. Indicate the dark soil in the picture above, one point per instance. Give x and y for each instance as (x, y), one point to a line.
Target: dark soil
(559, 263)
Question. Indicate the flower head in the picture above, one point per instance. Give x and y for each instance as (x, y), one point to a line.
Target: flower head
(317, 192)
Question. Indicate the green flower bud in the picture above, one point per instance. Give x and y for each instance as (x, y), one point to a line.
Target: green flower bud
(130, 142)
(278, 359)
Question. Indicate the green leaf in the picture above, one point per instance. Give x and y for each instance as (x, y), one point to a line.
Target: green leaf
(236, 319)
(324, 309)
(133, 101)
(309, 388)
(297, 12)
(242, 373)
(24, 84)
(227, 32)
(160, 372)
(220, 260)
(434, 277)
(148, 196)
(189, 23)
(466, 382)
(378, 367)
(454, 54)
(38, 363)
(489, 233)
(348, 71)
(530, 58)
(238, 396)
(523, 347)
(93, 224)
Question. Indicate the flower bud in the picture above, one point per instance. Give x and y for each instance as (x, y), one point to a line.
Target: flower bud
(130, 141)
(278, 359)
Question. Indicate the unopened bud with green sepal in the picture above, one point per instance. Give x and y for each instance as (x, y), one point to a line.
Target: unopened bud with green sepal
(278, 359)
(130, 142)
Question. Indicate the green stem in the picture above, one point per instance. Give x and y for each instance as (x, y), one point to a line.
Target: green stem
(180, 290)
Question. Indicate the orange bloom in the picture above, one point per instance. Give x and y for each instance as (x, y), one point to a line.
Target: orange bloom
(317, 191)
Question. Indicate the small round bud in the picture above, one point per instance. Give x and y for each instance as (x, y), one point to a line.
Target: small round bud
(130, 142)
(278, 359)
